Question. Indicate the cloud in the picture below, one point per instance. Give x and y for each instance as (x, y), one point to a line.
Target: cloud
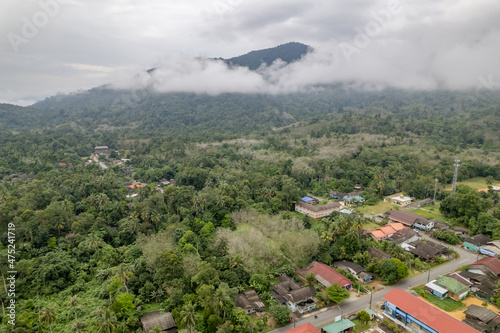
(427, 44)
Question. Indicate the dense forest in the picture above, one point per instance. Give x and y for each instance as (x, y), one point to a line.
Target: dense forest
(91, 257)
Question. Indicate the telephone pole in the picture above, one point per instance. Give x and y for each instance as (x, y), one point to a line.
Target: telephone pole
(435, 190)
(455, 176)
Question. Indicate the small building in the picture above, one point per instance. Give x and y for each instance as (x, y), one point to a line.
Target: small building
(356, 200)
(438, 224)
(404, 237)
(102, 150)
(306, 328)
(492, 249)
(340, 326)
(387, 231)
(460, 231)
(378, 254)
(404, 217)
(250, 302)
(474, 243)
(326, 275)
(290, 293)
(436, 289)
(357, 270)
(456, 290)
(164, 321)
(422, 203)
(426, 251)
(482, 319)
(459, 278)
(310, 200)
(416, 314)
(338, 195)
(317, 211)
(398, 199)
(423, 224)
(357, 187)
(486, 265)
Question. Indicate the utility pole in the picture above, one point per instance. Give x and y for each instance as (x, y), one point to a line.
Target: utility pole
(371, 294)
(455, 176)
(435, 190)
(429, 276)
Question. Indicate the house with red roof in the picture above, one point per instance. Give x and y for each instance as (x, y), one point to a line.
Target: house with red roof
(412, 312)
(490, 264)
(386, 231)
(326, 275)
(306, 328)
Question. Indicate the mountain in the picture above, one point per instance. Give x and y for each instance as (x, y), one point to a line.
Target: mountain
(288, 52)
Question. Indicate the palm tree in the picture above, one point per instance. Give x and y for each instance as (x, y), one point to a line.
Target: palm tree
(94, 242)
(106, 321)
(188, 317)
(78, 326)
(156, 218)
(59, 225)
(73, 302)
(123, 274)
(48, 316)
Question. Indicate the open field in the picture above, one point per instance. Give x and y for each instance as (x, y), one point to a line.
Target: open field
(459, 314)
(478, 183)
(379, 208)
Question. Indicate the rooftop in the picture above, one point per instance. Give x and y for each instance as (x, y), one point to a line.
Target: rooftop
(452, 285)
(164, 321)
(338, 326)
(426, 313)
(306, 328)
(478, 312)
(478, 240)
(307, 199)
(493, 264)
(318, 208)
(407, 218)
(325, 274)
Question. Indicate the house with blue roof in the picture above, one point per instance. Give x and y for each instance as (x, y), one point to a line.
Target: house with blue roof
(356, 200)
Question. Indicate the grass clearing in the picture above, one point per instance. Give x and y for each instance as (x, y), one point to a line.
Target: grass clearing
(431, 215)
(477, 183)
(379, 208)
(360, 327)
(446, 304)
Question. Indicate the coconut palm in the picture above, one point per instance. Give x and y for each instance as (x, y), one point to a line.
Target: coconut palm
(73, 303)
(188, 317)
(123, 274)
(78, 326)
(105, 321)
(48, 316)
(94, 242)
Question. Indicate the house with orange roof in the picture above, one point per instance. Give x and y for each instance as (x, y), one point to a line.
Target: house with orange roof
(386, 231)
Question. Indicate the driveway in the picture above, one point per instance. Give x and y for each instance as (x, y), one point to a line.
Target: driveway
(356, 304)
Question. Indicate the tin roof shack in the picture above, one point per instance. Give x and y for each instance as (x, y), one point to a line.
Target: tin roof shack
(164, 321)
(485, 265)
(427, 251)
(290, 293)
(357, 270)
(250, 302)
(482, 319)
(474, 243)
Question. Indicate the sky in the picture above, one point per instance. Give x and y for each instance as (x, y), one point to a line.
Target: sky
(50, 47)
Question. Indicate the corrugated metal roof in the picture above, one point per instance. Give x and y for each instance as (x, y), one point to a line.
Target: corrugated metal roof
(426, 313)
(307, 199)
(432, 285)
(452, 285)
(306, 328)
(338, 326)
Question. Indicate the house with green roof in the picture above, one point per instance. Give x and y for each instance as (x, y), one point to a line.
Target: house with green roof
(338, 326)
(456, 289)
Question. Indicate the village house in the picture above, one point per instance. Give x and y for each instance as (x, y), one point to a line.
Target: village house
(386, 231)
(438, 224)
(492, 249)
(422, 203)
(377, 254)
(404, 217)
(482, 319)
(164, 321)
(357, 270)
(356, 200)
(427, 251)
(250, 302)
(459, 278)
(309, 206)
(485, 265)
(423, 224)
(404, 237)
(474, 243)
(398, 199)
(484, 284)
(290, 293)
(305, 328)
(326, 275)
(340, 326)
(456, 290)
(102, 150)
(357, 187)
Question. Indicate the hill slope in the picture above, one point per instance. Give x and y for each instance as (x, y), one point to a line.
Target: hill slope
(288, 52)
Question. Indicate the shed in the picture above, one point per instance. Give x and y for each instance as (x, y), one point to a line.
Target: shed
(163, 321)
(480, 313)
(436, 289)
(338, 327)
(376, 253)
(370, 312)
(474, 243)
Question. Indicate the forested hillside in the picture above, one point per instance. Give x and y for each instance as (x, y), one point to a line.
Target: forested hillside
(93, 254)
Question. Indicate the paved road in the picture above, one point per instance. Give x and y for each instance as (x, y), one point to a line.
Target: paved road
(355, 304)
